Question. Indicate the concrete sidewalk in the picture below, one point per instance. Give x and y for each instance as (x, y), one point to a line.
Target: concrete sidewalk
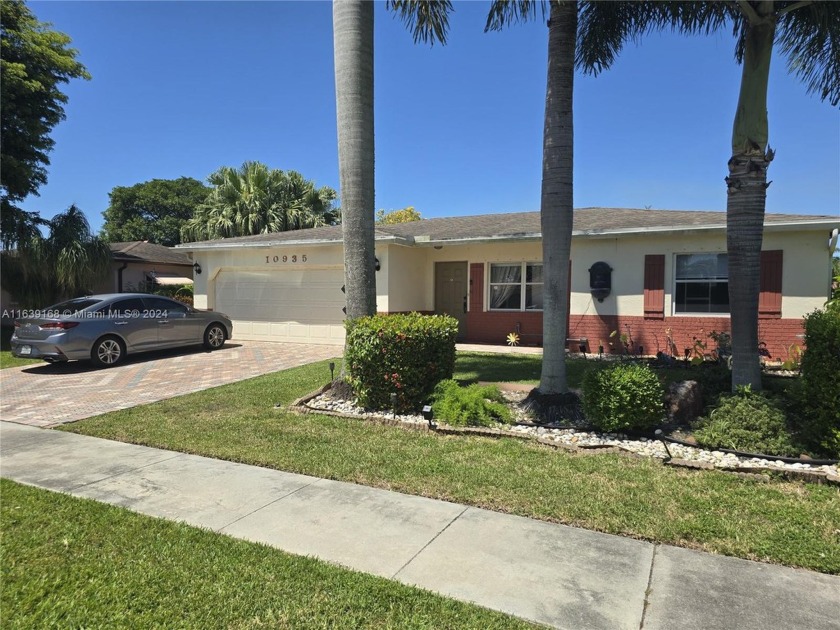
(560, 576)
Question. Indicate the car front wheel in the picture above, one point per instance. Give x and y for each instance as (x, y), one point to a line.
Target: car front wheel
(214, 337)
(107, 352)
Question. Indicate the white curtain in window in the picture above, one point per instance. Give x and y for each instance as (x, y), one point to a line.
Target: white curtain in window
(504, 283)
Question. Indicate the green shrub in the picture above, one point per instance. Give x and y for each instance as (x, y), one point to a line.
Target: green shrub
(746, 421)
(181, 292)
(715, 379)
(475, 405)
(816, 408)
(626, 396)
(402, 354)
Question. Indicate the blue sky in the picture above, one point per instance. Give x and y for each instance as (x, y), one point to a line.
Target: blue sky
(183, 88)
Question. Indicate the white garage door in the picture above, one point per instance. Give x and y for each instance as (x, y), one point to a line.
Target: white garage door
(302, 305)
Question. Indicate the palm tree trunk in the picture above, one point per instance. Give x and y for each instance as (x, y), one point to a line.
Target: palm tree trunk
(746, 197)
(557, 200)
(353, 42)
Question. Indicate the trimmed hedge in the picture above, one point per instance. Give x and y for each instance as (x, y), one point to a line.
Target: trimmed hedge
(817, 405)
(626, 396)
(402, 354)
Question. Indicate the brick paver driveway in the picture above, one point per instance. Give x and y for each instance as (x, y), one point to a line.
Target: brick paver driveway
(45, 395)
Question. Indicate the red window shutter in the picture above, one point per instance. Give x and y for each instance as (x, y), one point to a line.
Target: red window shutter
(477, 287)
(655, 286)
(770, 288)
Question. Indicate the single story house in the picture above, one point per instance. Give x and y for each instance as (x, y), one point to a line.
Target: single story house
(647, 272)
(138, 264)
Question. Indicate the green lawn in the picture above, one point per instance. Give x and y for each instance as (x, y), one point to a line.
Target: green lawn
(8, 361)
(782, 522)
(74, 563)
(6, 358)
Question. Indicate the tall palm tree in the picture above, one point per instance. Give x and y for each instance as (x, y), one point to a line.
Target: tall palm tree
(353, 50)
(255, 199)
(69, 261)
(809, 34)
(428, 22)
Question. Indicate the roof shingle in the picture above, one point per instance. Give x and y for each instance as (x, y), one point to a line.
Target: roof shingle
(518, 225)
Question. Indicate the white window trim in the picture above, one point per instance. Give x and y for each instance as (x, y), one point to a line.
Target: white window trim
(522, 284)
(674, 312)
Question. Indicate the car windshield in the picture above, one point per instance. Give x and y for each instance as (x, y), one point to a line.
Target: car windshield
(73, 306)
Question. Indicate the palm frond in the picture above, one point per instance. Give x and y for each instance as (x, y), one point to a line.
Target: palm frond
(604, 27)
(504, 12)
(810, 38)
(428, 20)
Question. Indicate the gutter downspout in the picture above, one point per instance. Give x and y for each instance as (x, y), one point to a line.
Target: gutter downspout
(119, 277)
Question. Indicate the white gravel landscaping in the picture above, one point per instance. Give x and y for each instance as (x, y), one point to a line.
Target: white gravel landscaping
(579, 437)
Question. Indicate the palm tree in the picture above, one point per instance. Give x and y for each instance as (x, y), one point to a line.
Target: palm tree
(353, 44)
(255, 199)
(428, 22)
(68, 262)
(809, 34)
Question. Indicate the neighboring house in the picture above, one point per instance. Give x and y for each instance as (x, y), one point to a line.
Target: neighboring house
(138, 264)
(664, 270)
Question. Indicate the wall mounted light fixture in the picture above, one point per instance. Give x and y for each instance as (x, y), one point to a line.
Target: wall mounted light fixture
(197, 267)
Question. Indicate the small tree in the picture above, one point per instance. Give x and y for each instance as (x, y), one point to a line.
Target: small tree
(391, 217)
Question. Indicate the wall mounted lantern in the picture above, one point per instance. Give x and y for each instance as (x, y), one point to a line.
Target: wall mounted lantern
(197, 267)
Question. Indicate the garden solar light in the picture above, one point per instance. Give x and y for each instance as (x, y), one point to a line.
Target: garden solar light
(332, 371)
(394, 403)
(428, 415)
(658, 433)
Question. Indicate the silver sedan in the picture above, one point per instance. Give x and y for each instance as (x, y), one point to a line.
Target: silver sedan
(105, 328)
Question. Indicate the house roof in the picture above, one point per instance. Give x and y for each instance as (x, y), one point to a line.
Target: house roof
(143, 251)
(521, 226)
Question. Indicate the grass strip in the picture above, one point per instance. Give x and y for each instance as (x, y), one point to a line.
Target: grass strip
(75, 563)
(781, 522)
(8, 361)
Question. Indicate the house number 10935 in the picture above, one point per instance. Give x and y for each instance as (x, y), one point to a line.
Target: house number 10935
(293, 258)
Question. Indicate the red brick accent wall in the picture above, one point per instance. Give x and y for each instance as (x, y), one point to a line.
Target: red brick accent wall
(493, 327)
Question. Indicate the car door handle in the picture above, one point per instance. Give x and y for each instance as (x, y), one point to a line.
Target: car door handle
(120, 323)
(163, 321)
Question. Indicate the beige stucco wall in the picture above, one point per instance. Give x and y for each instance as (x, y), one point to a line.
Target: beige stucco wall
(406, 279)
(806, 270)
(805, 280)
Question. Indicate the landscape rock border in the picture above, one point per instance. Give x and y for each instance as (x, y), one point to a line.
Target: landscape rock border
(418, 423)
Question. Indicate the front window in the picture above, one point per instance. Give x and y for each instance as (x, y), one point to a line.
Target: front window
(516, 286)
(702, 283)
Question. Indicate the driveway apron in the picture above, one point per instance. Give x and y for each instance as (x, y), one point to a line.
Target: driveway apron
(44, 395)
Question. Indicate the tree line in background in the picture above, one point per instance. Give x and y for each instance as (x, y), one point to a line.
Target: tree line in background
(252, 199)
